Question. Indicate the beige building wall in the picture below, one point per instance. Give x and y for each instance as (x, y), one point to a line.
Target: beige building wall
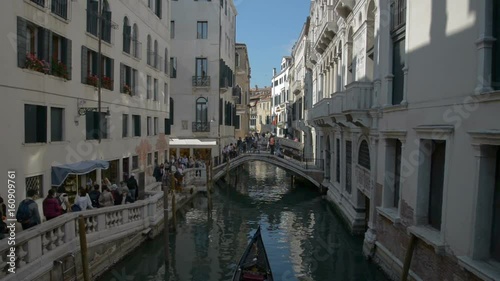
(41, 116)
(405, 116)
(243, 75)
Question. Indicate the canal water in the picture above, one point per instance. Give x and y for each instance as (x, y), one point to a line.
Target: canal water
(303, 235)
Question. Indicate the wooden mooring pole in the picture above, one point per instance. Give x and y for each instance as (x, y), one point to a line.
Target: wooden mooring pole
(166, 226)
(83, 247)
(209, 186)
(408, 257)
(174, 217)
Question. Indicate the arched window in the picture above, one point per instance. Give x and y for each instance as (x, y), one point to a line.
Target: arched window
(202, 110)
(127, 30)
(148, 47)
(106, 22)
(135, 41)
(364, 155)
(350, 57)
(155, 56)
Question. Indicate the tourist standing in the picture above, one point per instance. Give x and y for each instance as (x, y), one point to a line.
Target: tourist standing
(27, 213)
(51, 206)
(133, 187)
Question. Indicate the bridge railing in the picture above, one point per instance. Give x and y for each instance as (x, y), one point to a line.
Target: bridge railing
(304, 163)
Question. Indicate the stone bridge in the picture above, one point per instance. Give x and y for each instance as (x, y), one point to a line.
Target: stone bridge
(309, 169)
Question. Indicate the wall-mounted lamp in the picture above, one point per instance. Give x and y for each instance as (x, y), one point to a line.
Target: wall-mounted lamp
(83, 110)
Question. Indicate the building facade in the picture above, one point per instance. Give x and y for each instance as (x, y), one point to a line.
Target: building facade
(241, 92)
(202, 77)
(409, 145)
(280, 98)
(300, 87)
(50, 82)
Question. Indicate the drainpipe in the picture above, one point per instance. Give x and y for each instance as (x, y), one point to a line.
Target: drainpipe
(99, 67)
(219, 84)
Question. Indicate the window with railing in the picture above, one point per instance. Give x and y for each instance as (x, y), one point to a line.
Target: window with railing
(201, 124)
(136, 44)
(60, 8)
(398, 11)
(127, 35)
(398, 32)
(93, 20)
(39, 2)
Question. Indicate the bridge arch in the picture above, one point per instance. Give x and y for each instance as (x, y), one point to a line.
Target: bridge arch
(310, 173)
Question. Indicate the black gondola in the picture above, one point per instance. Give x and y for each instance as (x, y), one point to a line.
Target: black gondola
(254, 264)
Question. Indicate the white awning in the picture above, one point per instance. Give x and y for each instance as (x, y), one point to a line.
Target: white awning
(193, 142)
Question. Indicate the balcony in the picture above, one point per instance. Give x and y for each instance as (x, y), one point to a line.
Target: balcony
(328, 29)
(344, 8)
(296, 86)
(201, 127)
(359, 96)
(201, 81)
(319, 110)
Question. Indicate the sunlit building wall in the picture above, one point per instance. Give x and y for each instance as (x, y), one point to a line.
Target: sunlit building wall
(203, 76)
(49, 84)
(403, 116)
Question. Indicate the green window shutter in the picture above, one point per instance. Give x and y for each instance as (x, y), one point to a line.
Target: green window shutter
(84, 65)
(94, 63)
(171, 111)
(111, 63)
(67, 53)
(127, 31)
(122, 77)
(21, 42)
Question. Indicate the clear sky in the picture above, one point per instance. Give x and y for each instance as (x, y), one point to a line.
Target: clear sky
(269, 28)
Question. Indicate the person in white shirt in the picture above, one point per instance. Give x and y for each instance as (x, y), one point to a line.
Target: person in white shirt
(83, 200)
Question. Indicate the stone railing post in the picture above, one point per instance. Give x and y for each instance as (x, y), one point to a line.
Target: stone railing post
(34, 249)
(101, 221)
(125, 215)
(69, 231)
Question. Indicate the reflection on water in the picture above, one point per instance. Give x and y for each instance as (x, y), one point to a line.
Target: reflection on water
(303, 236)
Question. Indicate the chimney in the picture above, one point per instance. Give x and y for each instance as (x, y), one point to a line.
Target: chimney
(274, 71)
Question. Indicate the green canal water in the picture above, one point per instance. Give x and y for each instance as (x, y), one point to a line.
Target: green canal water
(302, 234)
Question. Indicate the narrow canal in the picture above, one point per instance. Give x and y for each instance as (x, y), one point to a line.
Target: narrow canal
(302, 234)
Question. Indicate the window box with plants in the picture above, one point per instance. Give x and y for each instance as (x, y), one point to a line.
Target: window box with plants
(128, 90)
(59, 69)
(93, 80)
(36, 64)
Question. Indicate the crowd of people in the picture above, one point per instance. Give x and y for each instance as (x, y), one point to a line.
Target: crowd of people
(57, 202)
(252, 143)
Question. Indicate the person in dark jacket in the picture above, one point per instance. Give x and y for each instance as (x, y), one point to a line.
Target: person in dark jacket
(133, 187)
(94, 196)
(51, 206)
(32, 216)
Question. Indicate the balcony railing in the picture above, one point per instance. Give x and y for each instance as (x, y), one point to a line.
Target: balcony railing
(107, 25)
(359, 96)
(201, 127)
(296, 86)
(59, 7)
(201, 81)
(155, 60)
(136, 48)
(39, 2)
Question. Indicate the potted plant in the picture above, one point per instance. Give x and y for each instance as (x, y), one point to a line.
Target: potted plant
(127, 90)
(59, 69)
(92, 79)
(107, 82)
(36, 64)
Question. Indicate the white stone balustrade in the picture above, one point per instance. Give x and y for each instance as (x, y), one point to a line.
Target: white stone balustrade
(38, 247)
(358, 96)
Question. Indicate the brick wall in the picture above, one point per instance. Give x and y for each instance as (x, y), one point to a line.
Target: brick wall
(428, 265)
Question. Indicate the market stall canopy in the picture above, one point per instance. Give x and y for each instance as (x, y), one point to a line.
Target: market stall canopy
(60, 173)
